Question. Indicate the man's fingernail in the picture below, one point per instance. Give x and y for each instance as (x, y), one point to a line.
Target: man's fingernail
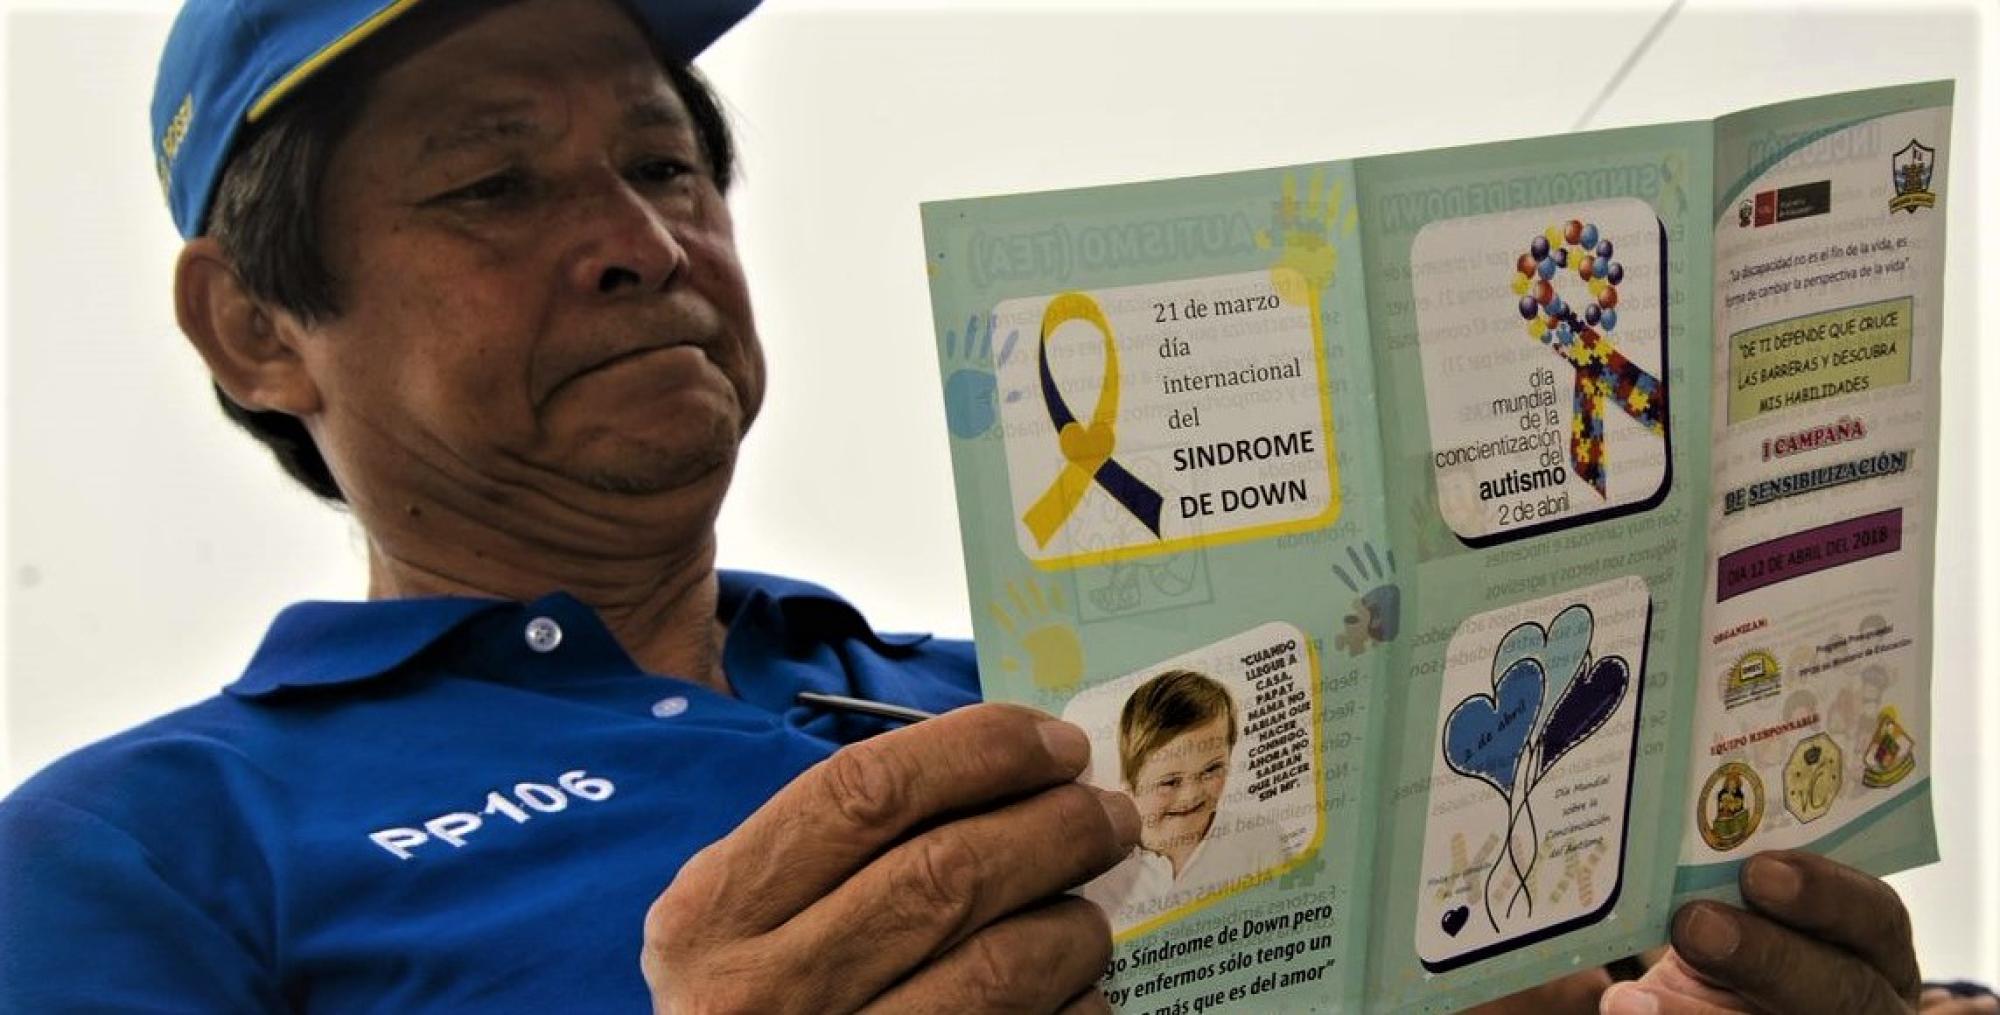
(1774, 881)
(1711, 934)
(1628, 999)
(1124, 814)
(1066, 743)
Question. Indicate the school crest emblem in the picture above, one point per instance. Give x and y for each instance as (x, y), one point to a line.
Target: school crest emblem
(1911, 170)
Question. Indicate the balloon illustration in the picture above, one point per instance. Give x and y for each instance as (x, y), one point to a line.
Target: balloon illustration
(1483, 736)
(1549, 697)
(1585, 706)
(1561, 647)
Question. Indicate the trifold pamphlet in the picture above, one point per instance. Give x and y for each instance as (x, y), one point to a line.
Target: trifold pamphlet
(1464, 557)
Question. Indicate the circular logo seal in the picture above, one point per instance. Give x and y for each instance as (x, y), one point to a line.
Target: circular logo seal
(1730, 807)
(1755, 677)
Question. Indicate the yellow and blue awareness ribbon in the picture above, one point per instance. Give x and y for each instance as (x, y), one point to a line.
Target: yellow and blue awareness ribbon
(1087, 449)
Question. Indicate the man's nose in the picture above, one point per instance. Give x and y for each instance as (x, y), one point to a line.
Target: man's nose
(626, 243)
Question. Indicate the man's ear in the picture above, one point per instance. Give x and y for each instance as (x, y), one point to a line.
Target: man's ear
(251, 349)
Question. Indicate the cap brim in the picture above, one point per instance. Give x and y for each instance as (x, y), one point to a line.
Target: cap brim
(705, 29)
(327, 54)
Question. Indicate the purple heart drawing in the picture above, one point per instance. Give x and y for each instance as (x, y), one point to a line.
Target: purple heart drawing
(1584, 706)
(1454, 919)
(1483, 736)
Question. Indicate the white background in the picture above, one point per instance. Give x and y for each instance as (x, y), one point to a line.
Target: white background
(147, 544)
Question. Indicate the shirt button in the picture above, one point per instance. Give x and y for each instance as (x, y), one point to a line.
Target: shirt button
(544, 634)
(667, 708)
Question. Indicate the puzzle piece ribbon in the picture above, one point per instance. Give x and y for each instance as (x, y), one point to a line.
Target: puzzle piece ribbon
(1087, 449)
(1604, 377)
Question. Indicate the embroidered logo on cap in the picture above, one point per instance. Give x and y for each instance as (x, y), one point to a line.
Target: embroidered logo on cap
(170, 142)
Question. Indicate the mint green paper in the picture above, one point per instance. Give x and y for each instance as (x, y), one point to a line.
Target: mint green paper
(1103, 550)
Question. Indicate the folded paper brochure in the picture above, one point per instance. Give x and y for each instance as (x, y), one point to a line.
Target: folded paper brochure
(1464, 557)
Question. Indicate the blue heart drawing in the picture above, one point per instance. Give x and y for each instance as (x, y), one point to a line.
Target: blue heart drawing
(1584, 707)
(1454, 919)
(1561, 648)
(1483, 736)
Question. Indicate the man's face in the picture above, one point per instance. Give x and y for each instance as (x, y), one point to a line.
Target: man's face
(1178, 786)
(540, 292)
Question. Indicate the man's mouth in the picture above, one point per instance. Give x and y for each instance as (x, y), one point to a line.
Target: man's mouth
(639, 353)
(620, 359)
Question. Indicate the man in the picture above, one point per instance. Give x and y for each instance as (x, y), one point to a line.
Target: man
(467, 267)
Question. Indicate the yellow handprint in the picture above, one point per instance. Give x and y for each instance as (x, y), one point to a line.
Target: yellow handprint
(1055, 654)
(1307, 255)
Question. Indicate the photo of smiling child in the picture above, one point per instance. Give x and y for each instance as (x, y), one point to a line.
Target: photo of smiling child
(1209, 823)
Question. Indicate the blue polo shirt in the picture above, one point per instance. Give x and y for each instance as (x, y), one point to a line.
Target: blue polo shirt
(441, 804)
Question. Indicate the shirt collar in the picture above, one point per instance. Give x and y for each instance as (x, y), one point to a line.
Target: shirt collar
(324, 644)
(1162, 866)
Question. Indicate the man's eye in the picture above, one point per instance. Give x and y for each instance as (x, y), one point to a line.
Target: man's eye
(499, 187)
(660, 170)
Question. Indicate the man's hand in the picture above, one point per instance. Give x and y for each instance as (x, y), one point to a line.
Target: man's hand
(919, 870)
(1818, 937)
(1574, 994)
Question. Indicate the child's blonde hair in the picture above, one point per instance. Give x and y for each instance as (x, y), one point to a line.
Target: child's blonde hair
(1165, 707)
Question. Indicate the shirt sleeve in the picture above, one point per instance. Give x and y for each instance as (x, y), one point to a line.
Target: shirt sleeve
(91, 921)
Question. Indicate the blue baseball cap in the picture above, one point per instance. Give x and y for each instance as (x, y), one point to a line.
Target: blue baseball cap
(230, 62)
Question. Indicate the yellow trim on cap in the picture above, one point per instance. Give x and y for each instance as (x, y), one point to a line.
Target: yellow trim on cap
(326, 55)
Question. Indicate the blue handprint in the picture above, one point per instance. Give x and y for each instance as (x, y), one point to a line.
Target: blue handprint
(971, 394)
(1377, 614)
